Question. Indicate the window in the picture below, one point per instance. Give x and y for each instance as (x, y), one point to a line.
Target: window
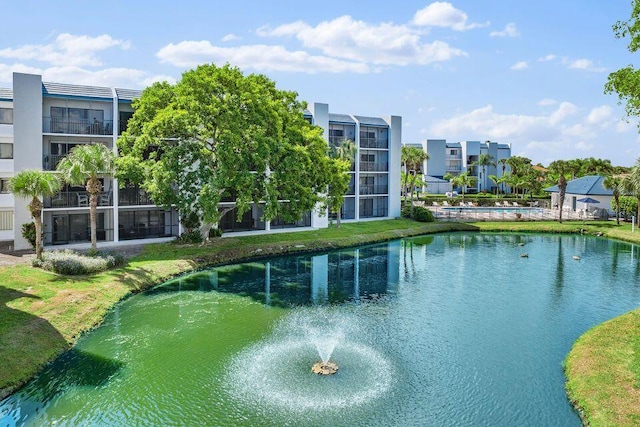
(336, 133)
(6, 151)
(4, 185)
(454, 152)
(125, 116)
(368, 158)
(6, 116)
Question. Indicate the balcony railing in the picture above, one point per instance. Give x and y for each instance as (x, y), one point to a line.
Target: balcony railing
(76, 199)
(77, 127)
(134, 196)
(373, 143)
(374, 213)
(374, 166)
(374, 189)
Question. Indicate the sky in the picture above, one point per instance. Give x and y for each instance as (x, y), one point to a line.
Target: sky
(529, 73)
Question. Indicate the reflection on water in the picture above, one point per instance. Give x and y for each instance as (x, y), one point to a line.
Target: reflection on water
(348, 275)
(471, 333)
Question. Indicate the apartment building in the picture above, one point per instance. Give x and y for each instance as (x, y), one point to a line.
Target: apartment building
(459, 157)
(41, 122)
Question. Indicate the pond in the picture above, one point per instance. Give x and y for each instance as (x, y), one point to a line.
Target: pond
(453, 329)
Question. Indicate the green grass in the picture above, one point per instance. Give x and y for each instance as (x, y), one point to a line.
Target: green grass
(42, 313)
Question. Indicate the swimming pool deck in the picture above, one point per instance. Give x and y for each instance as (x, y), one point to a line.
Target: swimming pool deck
(489, 213)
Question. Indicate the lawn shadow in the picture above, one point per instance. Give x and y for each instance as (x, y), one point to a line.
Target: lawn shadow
(26, 342)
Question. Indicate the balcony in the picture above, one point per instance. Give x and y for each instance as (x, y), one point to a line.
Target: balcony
(374, 189)
(133, 196)
(374, 167)
(373, 143)
(77, 127)
(76, 199)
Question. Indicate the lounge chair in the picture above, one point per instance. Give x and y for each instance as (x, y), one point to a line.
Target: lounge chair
(435, 204)
(462, 204)
(515, 204)
(498, 204)
(505, 203)
(444, 203)
(470, 204)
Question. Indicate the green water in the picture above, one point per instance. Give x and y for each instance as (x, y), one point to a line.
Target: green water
(442, 330)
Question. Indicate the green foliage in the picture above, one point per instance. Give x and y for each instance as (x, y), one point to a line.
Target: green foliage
(218, 131)
(71, 263)
(628, 206)
(422, 214)
(192, 236)
(29, 233)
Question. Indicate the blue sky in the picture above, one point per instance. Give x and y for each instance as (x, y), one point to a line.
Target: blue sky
(528, 73)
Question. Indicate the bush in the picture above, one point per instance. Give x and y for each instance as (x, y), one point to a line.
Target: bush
(422, 214)
(193, 236)
(72, 263)
(29, 233)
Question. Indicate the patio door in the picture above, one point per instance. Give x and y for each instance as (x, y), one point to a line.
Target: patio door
(60, 229)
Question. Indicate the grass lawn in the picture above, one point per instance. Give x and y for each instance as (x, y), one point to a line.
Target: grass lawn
(42, 313)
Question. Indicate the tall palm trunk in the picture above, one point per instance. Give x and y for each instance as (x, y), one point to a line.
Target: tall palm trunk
(562, 188)
(93, 188)
(35, 207)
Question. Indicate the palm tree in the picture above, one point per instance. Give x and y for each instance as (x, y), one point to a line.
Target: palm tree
(463, 181)
(412, 158)
(503, 163)
(345, 151)
(483, 161)
(631, 185)
(86, 164)
(614, 183)
(561, 169)
(35, 184)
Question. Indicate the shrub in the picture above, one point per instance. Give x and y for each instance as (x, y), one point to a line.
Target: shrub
(193, 236)
(422, 214)
(29, 233)
(72, 263)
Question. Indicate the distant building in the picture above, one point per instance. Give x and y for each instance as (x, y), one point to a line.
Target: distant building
(584, 188)
(457, 157)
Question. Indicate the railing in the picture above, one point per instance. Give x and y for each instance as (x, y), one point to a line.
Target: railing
(374, 189)
(374, 166)
(50, 161)
(6, 220)
(373, 143)
(142, 231)
(305, 221)
(66, 235)
(77, 127)
(76, 199)
(133, 197)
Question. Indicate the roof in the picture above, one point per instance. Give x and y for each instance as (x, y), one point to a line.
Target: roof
(6, 94)
(341, 118)
(433, 179)
(454, 145)
(128, 94)
(371, 121)
(76, 91)
(587, 185)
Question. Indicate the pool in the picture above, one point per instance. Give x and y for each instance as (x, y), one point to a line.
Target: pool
(490, 209)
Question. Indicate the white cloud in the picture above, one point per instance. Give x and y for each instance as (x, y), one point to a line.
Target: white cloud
(381, 44)
(546, 102)
(522, 65)
(600, 115)
(509, 31)
(258, 57)
(583, 64)
(67, 50)
(565, 109)
(6, 71)
(158, 78)
(231, 38)
(443, 14)
(547, 58)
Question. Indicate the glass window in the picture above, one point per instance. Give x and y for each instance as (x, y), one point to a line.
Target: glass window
(6, 151)
(4, 185)
(6, 116)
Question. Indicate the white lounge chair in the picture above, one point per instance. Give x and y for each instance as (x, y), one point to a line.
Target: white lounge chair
(515, 204)
(444, 203)
(470, 204)
(498, 204)
(435, 204)
(505, 203)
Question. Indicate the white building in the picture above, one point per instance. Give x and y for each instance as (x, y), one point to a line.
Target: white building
(458, 157)
(41, 122)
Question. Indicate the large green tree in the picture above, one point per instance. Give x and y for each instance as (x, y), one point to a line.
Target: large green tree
(461, 181)
(218, 132)
(484, 160)
(85, 165)
(412, 159)
(615, 184)
(35, 184)
(344, 152)
(626, 81)
(631, 186)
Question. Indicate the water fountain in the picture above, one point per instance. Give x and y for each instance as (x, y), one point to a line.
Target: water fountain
(287, 385)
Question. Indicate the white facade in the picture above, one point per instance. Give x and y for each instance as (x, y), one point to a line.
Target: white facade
(456, 158)
(48, 119)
